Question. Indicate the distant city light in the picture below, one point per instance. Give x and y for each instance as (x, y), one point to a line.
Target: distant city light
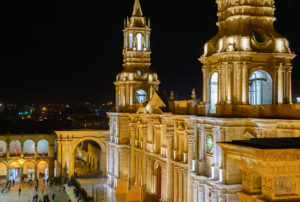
(298, 100)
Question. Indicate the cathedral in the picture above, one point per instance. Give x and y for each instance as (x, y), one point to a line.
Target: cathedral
(216, 150)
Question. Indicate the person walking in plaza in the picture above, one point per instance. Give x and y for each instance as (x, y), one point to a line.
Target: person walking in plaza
(20, 191)
(53, 196)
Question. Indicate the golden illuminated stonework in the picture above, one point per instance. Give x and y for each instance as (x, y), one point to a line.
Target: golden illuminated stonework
(136, 83)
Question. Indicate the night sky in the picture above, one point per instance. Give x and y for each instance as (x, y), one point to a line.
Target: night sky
(63, 51)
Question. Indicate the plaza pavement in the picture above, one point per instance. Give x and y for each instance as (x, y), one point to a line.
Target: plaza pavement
(28, 192)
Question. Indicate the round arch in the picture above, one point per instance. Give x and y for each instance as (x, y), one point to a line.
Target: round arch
(42, 147)
(260, 88)
(3, 148)
(29, 148)
(259, 68)
(15, 147)
(42, 169)
(3, 171)
(29, 169)
(14, 170)
(103, 151)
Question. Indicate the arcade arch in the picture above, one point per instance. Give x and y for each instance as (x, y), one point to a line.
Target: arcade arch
(3, 147)
(14, 171)
(15, 148)
(260, 88)
(88, 158)
(29, 170)
(42, 147)
(43, 169)
(3, 171)
(29, 148)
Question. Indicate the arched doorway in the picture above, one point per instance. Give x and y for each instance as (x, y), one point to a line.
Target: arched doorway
(3, 172)
(213, 93)
(158, 187)
(15, 148)
(29, 148)
(88, 159)
(260, 88)
(42, 148)
(14, 171)
(42, 169)
(28, 170)
(3, 147)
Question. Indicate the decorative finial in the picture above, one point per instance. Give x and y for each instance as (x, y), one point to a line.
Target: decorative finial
(172, 95)
(193, 95)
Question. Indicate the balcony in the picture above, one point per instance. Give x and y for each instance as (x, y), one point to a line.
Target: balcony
(43, 154)
(14, 155)
(28, 154)
(2, 155)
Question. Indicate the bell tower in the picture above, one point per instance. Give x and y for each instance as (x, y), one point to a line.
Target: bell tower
(136, 84)
(247, 62)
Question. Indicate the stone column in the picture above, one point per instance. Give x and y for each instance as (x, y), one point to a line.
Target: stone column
(22, 149)
(132, 156)
(180, 187)
(7, 149)
(7, 173)
(51, 168)
(175, 184)
(131, 95)
(201, 191)
(238, 82)
(190, 140)
(223, 83)
(204, 73)
(195, 165)
(35, 172)
(35, 150)
(122, 97)
(170, 176)
(289, 84)
(59, 162)
(219, 85)
(71, 159)
(228, 83)
(280, 84)
(127, 100)
(245, 87)
(202, 162)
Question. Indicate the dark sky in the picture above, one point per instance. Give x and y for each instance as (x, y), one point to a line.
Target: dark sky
(63, 51)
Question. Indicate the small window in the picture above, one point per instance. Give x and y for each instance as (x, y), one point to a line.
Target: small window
(130, 40)
(209, 143)
(139, 72)
(147, 41)
(139, 43)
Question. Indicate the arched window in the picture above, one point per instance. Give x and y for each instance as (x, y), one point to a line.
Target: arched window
(147, 41)
(42, 148)
(140, 96)
(139, 43)
(2, 148)
(260, 88)
(29, 148)
(130, 40)
(15, 148)
(213, 93)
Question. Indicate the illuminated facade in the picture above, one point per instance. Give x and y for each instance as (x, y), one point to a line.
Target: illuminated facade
(27, 156)
(172, 155)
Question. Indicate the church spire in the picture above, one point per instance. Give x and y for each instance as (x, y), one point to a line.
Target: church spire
(137, 9)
